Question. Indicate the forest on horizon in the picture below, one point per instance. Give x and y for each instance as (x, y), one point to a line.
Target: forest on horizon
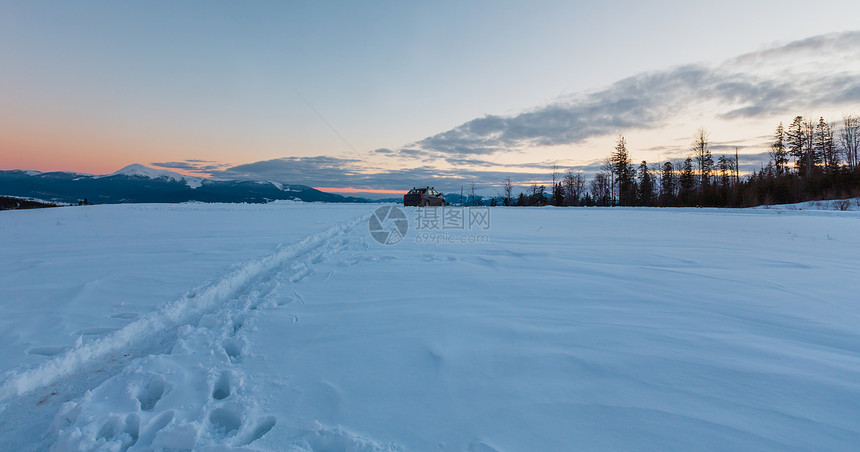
(809, 160)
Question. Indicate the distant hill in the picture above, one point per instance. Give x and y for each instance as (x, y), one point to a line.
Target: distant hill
(11, 203)
(138, 184)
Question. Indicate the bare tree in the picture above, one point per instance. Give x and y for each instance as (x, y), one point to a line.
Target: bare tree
(609, 169)
(849, 138)
(508, 188)
(703, 157)
(812, 157)
(737, 167)
(538, 195)
(601, 189)
(574, 186)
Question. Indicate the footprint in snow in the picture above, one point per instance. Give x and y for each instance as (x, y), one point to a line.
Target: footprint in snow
(221, 389)
(238, 322)
(225, 420)
(260, 427)
(125, 431)
(151, 392)
(155, 425)
(233, 347)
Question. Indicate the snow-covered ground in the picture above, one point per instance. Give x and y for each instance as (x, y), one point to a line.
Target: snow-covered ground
(850, 204)
(289, 327)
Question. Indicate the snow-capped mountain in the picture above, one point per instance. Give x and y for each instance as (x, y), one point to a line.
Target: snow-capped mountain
(138, 170)
(139, 183)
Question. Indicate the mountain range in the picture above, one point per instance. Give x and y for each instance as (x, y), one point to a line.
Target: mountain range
(142, 184)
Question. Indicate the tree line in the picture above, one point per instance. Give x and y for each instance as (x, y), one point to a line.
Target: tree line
(809, 160)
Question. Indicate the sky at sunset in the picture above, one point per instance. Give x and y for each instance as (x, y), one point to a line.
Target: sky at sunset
(382, 96)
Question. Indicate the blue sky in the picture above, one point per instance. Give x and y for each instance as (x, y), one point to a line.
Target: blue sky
(384, 94)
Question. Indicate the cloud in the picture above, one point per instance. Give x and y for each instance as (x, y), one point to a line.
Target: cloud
(347, 172)
(192, 165)
(783, 80)
(295, 170)
(793, 77)
(340, 172)
(808, 49)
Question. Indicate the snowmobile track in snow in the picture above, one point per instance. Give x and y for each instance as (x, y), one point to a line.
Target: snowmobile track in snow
(37, 394)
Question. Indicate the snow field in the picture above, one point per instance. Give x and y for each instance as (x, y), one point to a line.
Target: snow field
(73, 368)
(583, 329)
(92, 270)
(851, 204)
(593, 329)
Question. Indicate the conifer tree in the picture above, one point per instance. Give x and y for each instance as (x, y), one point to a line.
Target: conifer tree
(795, 139)
(724, 166)
(646, 185)
(668, 183)
(687, 182)
(704, 159)
(778, 152)
(622, 167)
(825, 147)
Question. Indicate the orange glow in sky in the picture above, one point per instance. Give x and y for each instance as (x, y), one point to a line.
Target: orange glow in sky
(91, 87)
